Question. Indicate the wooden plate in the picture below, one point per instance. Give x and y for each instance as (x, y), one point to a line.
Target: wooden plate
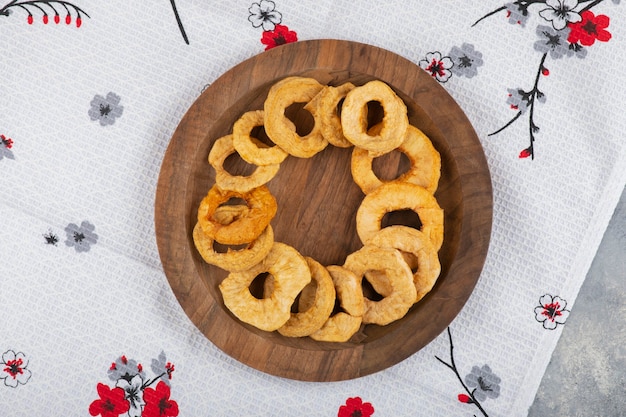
(317, 201)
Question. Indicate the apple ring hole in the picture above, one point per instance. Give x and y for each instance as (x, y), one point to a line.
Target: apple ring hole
(402, 218)
(301, 118)
(375, 113)
(391, 165)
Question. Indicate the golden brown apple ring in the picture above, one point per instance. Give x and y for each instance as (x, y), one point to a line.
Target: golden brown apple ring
(280, 129)
(412, 241)
(222, 149)
(394, 196)
(234, 260)
(425, 162)
(340, 327)
(229, 213)
(316, 302)
(290, 274)
(354, 118)
(325, 108)
(251, 149)
(243, 230)
(388, 261)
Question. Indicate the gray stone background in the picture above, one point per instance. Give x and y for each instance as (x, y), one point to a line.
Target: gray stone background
(587, 373)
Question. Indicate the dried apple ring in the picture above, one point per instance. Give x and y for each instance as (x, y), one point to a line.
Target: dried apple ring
(425, 162)
(395, 196)
(326, 111)
(315, 304)
(251, 149)
(222, 149)
(389, 262)
(340, 327)
(280, 129)
(234, 260)
(411, 241)
(290, 274)
(354, 118)
(229, 213)
(261, 203)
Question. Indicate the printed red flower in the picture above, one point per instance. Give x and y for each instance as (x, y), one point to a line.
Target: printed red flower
(158, 403)
(355, 407)
(589, 29)
(279, 36)
(111, 403)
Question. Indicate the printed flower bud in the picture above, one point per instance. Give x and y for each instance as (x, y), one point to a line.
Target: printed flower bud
(465, 399)
(525, 153)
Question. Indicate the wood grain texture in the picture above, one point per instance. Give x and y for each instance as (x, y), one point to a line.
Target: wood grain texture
(317, 202)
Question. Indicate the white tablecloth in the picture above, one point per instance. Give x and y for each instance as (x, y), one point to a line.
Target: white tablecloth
(90, 94)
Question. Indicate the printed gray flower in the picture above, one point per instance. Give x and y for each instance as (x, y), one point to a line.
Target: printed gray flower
(105, 109)
(577, 50)
(483, 382)
(517, 14)
(520, 100)
(162, 368)
(81, 237)
(466, 60)
(124, 368)
(552, 41)
(263, 14)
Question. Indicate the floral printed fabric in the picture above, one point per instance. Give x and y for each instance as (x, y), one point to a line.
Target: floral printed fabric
(92, 93)
(134, 394)
(569, 27)
(14, 369)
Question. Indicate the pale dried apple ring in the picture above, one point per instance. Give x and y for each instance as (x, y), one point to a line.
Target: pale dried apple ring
(316, 302)
(326, 111)
(251, 149)
(412, 241)
(355, 123)
(388, 261)
(425, 162)
(280, 129)
(340, 327)
(261, 203)
(395, 196)
(234, 260)
(222, 149)
(290, 274)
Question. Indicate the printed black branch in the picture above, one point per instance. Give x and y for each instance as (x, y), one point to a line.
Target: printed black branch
(523, 6)
(453, 368)
(44, 6)
(179, 22)
(530, 97)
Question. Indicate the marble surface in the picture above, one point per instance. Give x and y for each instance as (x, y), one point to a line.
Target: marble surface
(587, 373)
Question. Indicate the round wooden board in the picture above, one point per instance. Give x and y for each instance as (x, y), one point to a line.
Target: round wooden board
(317, 201)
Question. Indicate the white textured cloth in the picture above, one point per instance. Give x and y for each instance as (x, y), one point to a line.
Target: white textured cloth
(87, 112)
